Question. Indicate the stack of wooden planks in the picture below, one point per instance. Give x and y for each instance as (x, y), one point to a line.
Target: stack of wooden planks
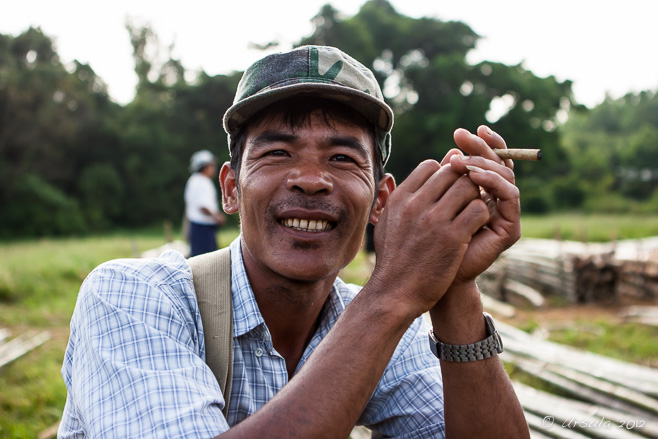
(534, 270)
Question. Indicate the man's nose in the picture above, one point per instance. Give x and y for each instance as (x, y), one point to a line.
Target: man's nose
(310, 179)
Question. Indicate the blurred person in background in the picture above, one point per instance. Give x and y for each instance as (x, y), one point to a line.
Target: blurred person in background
(201, 208)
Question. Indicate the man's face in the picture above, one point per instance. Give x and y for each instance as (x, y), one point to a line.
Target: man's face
(305, 196)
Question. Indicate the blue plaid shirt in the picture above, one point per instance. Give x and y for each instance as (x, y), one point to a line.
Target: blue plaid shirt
(135, 362)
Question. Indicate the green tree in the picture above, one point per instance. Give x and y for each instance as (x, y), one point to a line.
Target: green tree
(39, 208)
(638, 163)
(613, 151)
(102, 191)
(51, 118)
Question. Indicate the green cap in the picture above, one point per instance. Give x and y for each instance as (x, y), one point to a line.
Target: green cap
(316, 70)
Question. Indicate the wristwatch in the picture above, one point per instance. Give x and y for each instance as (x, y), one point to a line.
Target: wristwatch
(463, 353)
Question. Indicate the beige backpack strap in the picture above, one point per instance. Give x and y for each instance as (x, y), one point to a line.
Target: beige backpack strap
(211, 273)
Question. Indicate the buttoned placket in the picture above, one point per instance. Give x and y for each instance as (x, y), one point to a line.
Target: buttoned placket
(266, 352)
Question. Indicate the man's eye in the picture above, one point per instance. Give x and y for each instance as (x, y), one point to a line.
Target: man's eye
(342, 158)
(277, 153)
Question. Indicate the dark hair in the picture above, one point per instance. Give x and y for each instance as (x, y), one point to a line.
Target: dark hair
(296, 112)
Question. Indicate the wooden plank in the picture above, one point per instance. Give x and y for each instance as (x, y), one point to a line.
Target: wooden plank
(625, 394)
(570, 415)
(526, 293)
(50, 432)
(4, 334)
(631, 312)
(629, 375)
(608, 405)
(633, 376)
(540, 427)
(497, 307)
(21, 345)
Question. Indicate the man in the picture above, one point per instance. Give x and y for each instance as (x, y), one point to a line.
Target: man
(309, 133)
(201, 208)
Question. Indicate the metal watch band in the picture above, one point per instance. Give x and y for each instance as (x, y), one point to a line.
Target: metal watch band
(487, 348)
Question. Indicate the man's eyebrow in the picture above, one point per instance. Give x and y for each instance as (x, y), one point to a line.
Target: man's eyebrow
(268, 137)
(349, 142)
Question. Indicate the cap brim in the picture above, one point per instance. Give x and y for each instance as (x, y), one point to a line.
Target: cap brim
(371, 108)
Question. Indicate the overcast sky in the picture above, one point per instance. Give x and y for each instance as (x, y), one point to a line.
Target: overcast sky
(603, 46)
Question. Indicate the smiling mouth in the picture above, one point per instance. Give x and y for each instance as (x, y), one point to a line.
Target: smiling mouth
(305, 225)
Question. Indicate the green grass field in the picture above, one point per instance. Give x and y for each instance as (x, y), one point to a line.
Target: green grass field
(589, 228)
(39, 281)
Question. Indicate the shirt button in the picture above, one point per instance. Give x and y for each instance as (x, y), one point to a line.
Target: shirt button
(259, 352)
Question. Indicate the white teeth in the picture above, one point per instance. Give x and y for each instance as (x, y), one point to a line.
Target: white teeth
(307, 225)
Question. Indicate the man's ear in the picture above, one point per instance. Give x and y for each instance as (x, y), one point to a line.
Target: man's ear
(385, 188)
(230, 198)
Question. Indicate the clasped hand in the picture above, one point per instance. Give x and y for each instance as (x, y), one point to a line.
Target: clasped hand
(449, 221)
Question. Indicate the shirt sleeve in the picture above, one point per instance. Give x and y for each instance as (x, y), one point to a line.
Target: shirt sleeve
(408, 401)
(135, 362)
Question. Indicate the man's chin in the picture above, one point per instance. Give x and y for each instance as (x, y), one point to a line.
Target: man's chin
(307, 272)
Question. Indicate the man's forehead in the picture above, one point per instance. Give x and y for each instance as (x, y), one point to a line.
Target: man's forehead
(277, 125)
(284, 120)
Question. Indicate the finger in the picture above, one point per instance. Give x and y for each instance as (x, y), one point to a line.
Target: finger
(494, 140)
(475, 145)
(472, 217)
(461, 163)
(493, 182)
(437, 185)
(419, 176)
(450, 154)
(508, 206)
(456, 197)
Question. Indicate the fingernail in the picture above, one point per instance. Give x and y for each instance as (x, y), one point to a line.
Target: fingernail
(488, 130)
(474, 169)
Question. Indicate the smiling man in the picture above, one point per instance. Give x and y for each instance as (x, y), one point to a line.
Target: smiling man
(309, 135)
